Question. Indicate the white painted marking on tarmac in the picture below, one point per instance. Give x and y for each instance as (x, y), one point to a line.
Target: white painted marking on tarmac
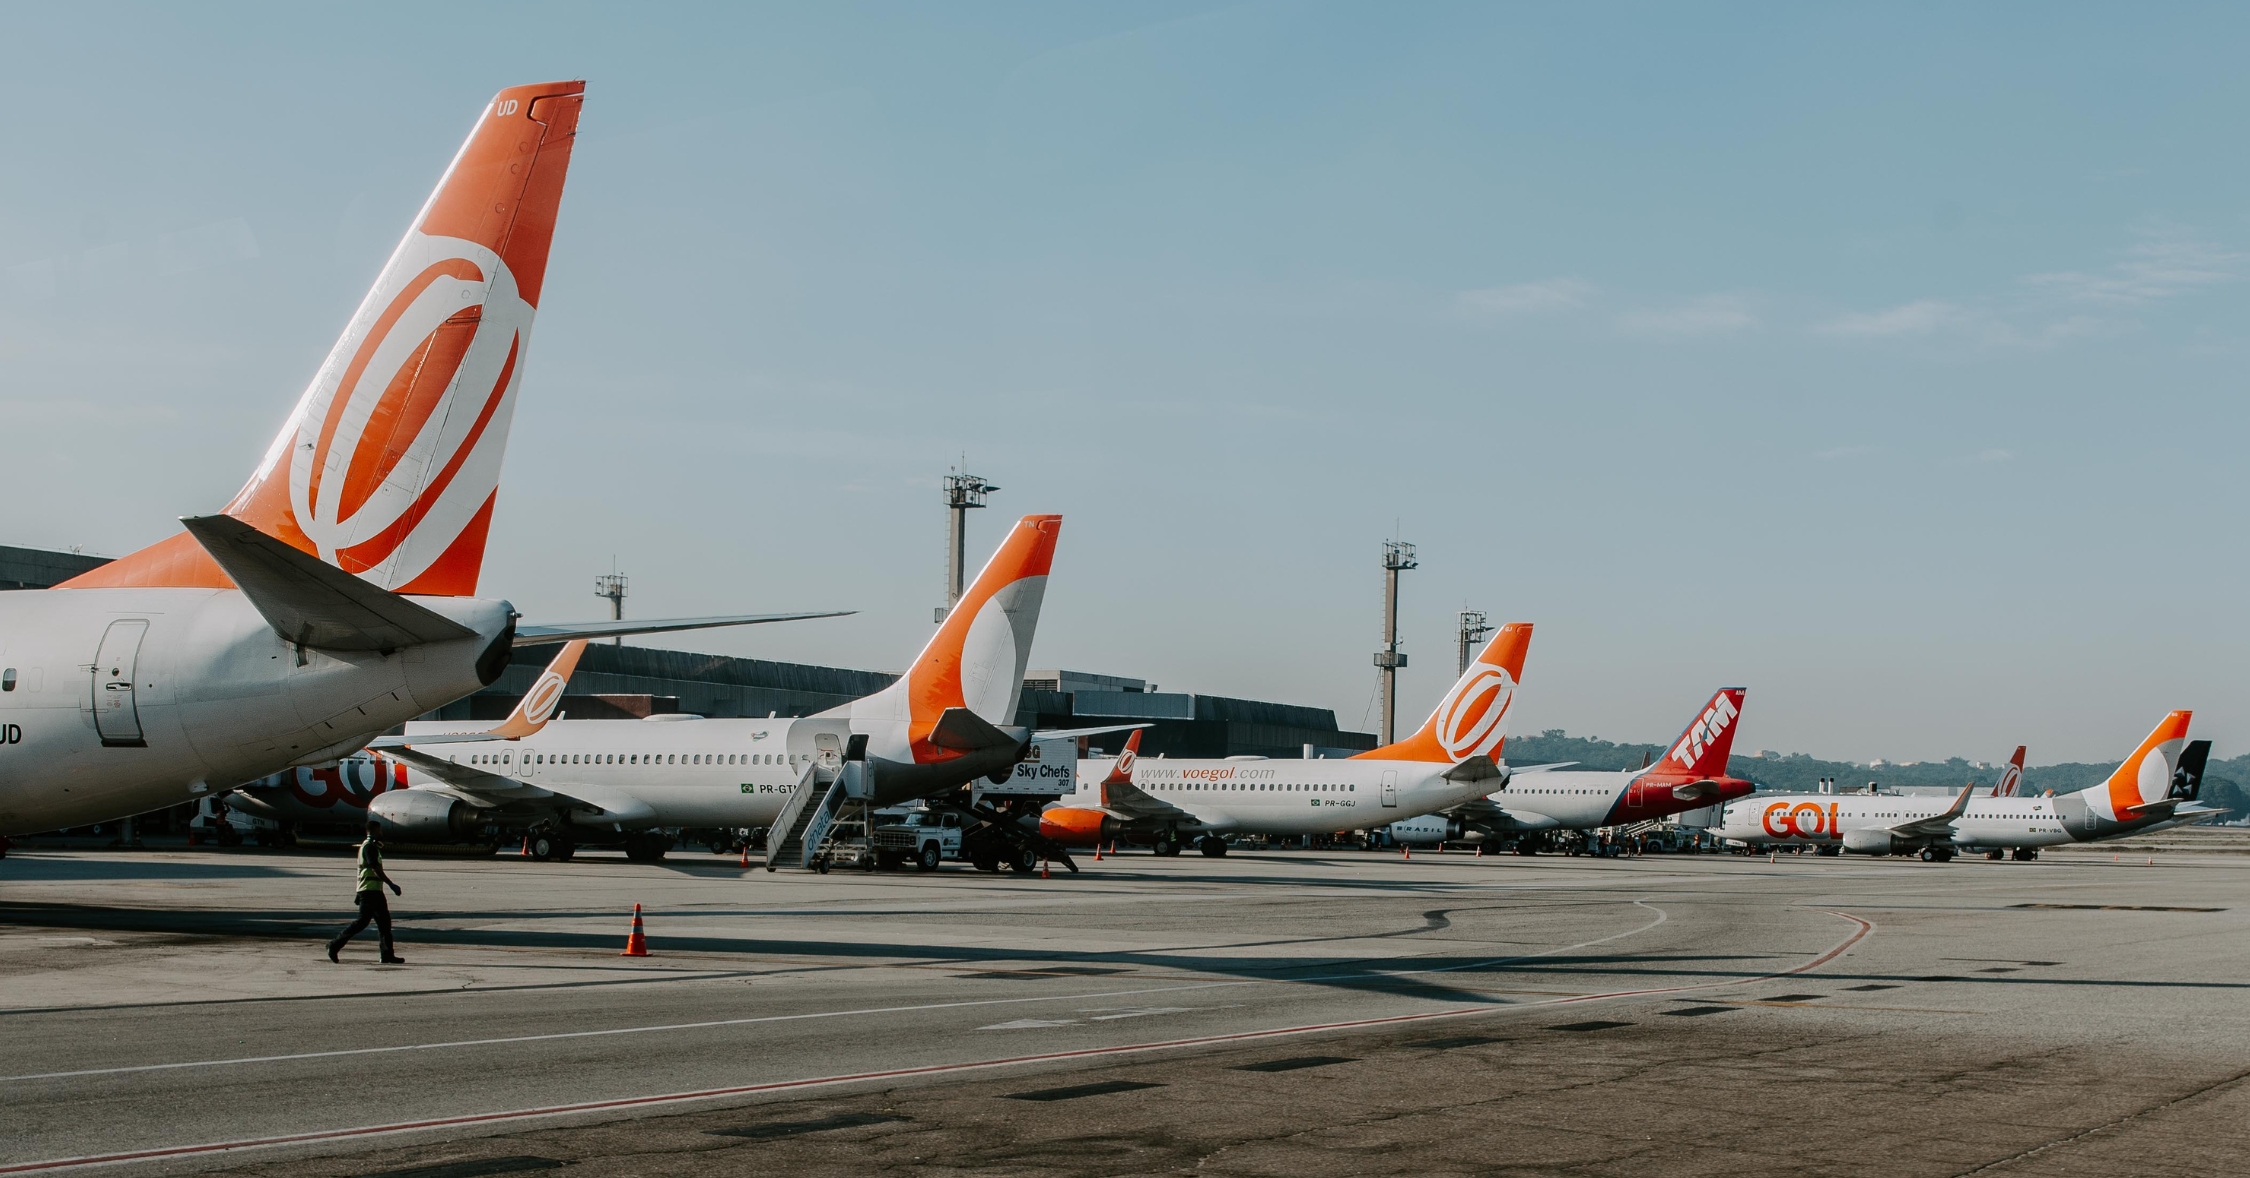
(821, 1014)
(629, 1102)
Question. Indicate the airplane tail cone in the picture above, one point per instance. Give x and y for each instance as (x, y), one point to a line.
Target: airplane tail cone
(636, 944)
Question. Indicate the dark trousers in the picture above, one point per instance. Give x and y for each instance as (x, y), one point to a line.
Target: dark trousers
(375, 910)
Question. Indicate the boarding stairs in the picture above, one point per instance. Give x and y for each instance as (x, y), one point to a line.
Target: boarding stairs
(800, 832)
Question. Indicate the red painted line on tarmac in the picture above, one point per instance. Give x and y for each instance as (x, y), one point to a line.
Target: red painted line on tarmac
(561, 1110)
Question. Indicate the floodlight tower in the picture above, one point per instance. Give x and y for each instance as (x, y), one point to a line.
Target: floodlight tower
(612, 586)
(1474, 630)
(963, 492)
(1398, 555)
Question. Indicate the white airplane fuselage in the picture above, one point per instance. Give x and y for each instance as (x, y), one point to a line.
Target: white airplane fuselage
(1283, 797)
(133, 699)
(1994, 823)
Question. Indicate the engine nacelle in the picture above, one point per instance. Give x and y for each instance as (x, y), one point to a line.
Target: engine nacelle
(1078, 826)
(425, 816)
(1870, 842)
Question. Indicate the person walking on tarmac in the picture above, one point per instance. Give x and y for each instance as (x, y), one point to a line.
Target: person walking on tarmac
(373, 908)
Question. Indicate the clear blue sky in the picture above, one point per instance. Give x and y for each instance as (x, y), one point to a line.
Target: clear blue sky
(1888, 361)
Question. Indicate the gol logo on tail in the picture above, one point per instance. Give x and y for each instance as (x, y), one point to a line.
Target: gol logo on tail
(1470, 717)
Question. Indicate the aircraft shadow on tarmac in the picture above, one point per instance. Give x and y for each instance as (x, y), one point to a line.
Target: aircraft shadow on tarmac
(1463, 978)
(20, 869)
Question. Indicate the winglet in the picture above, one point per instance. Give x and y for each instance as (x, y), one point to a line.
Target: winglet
(1121, 773)
(1960, 804)
(538, 704)
(2011, 778)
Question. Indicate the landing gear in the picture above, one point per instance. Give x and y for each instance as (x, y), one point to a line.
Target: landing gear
(551, 846)
(647, 847)
(1168, 843)
(1212, 846)
(1937, 854)
(2026, 853)
(1996, 854)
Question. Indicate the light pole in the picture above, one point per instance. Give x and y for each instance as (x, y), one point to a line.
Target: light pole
(1398, 555)
(963, 492)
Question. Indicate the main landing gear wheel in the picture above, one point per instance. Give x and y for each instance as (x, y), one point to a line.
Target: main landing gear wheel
(2026, 853)
(1212, 846)
(546, 848)
(930, 857)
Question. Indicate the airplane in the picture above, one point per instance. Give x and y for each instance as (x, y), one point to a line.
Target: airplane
(1453, 757)
(1538, 801)
(949, 720)
(336, 595)
(2156, 788)
(339, 793)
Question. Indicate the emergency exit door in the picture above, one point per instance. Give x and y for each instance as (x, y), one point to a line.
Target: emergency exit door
(116, 717)
(1390, 787)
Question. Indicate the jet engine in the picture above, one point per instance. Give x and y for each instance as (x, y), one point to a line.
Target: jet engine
(1865, 842)
(425, 816)
(1078, 827)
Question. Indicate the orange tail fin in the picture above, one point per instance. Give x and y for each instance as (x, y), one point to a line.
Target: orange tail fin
(1472, 719)
(390, 464)
(2146, 776)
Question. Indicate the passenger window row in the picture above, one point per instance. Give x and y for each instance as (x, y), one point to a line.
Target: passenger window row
(792, 759)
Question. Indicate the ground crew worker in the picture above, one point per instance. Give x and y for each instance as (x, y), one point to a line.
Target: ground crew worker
(373, 908)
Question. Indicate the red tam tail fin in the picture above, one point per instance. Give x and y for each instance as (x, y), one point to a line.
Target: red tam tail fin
(1701, 751)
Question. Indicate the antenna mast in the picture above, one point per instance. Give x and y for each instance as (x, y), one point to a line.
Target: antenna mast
(1398, 555)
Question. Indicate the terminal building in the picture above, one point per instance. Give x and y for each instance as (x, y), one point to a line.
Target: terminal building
(627, 682)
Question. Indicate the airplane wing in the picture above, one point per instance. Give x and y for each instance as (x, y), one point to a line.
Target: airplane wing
(1126, 800)
(487, 789)
(1514, 769)
(533, 635)
(1936, 825)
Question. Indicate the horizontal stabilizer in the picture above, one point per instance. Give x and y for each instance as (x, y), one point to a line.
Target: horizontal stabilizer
(1695, 790)
(1073, 733)
(1476, 768)
(565, 631)
(311, 602)
(964, 731)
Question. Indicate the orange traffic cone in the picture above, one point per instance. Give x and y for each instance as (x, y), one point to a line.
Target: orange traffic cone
(1097, 852)
(1405, 852)
(1480, 850)
(746, 852)
(1043, 873)
(636, 945)
(526, 852)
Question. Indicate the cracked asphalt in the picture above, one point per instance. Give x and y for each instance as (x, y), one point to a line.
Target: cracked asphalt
(1299, 1013)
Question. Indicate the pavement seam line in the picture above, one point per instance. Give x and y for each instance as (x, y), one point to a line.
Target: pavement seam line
(1864, 929)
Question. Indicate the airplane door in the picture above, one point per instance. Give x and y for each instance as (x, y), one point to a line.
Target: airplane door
(829, 748)
(115, 716)
(1390, 787)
